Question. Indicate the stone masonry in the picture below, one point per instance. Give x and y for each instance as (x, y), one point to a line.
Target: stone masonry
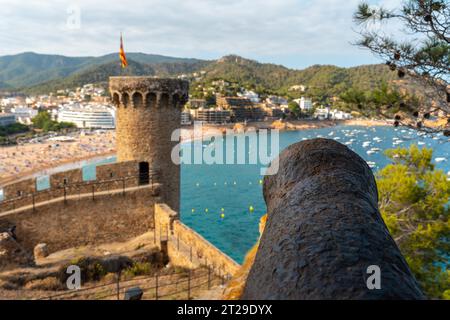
(148, 112)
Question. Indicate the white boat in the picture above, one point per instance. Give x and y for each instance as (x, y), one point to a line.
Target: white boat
(421, 143)
(366, 144)
(370, 152)
(371, 164)
(440, 160)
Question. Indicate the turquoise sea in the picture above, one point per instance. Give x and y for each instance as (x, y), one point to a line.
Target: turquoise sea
(236, 188)
(208, 191)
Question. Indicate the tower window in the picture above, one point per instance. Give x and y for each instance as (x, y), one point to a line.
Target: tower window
(125, 99)
(137, 99)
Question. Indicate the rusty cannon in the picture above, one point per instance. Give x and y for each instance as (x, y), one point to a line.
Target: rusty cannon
(325, 237)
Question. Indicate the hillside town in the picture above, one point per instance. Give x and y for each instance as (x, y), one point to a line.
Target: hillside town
(80, 123)
(89, 107)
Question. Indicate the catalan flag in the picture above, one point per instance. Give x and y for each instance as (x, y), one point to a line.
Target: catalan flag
(122, 56)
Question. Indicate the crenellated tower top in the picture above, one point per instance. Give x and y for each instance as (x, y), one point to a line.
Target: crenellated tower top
(148, 91)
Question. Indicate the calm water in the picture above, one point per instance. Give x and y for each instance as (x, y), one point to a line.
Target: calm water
(235, 188)
(208, 191)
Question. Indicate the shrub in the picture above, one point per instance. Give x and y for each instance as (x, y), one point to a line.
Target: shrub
(138, 269)
(47, 284)
(91, 269)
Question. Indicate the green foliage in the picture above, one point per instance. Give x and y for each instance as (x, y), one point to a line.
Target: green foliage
(13, 128)
(355, 97)
(383, 100)
(91, 269)
(210, 99)
(294, 108)
(44, 121)
(424, 58)
(41, 119)
(138, 269)
(414, 202)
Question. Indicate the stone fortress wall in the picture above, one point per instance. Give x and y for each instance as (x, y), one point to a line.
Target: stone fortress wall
(186, 247)
(73, 212)
(137, 194)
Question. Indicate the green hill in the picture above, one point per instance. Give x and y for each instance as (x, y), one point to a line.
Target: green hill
(331, 79)
(30, 69)
(37, 74)
(101, 73)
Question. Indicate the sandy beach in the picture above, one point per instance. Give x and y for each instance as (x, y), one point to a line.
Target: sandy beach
(18, 162)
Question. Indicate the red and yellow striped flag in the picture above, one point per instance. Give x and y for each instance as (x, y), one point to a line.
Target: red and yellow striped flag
(122, 56)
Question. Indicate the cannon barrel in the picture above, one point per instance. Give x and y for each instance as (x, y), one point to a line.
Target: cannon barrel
(324, 231)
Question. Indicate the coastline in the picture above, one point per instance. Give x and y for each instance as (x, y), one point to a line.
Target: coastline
(48, 167)
(209, 130)
(187, 134)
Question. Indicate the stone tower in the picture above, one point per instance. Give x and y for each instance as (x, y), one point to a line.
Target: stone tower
(148, 111)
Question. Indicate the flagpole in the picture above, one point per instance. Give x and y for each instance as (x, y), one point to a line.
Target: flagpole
(122, 56)
(121, 42)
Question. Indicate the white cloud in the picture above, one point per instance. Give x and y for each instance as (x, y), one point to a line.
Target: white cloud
(197, 28)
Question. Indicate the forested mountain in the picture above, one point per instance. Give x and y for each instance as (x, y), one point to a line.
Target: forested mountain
(36, 73)
(278, 78)
(30, 69)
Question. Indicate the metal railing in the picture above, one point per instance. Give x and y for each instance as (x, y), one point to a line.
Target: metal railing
(72, 191)
(175, 285)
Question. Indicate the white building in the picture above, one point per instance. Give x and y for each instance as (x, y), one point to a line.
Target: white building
(12, 101)
(7, 119)
(322, 113)
(299, 87)
(341, 115)
(88, 116)
(24, 114)
(304, 103)
(250, 95)
(326, 113)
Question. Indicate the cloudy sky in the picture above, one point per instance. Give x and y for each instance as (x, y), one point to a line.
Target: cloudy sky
(295, 33)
